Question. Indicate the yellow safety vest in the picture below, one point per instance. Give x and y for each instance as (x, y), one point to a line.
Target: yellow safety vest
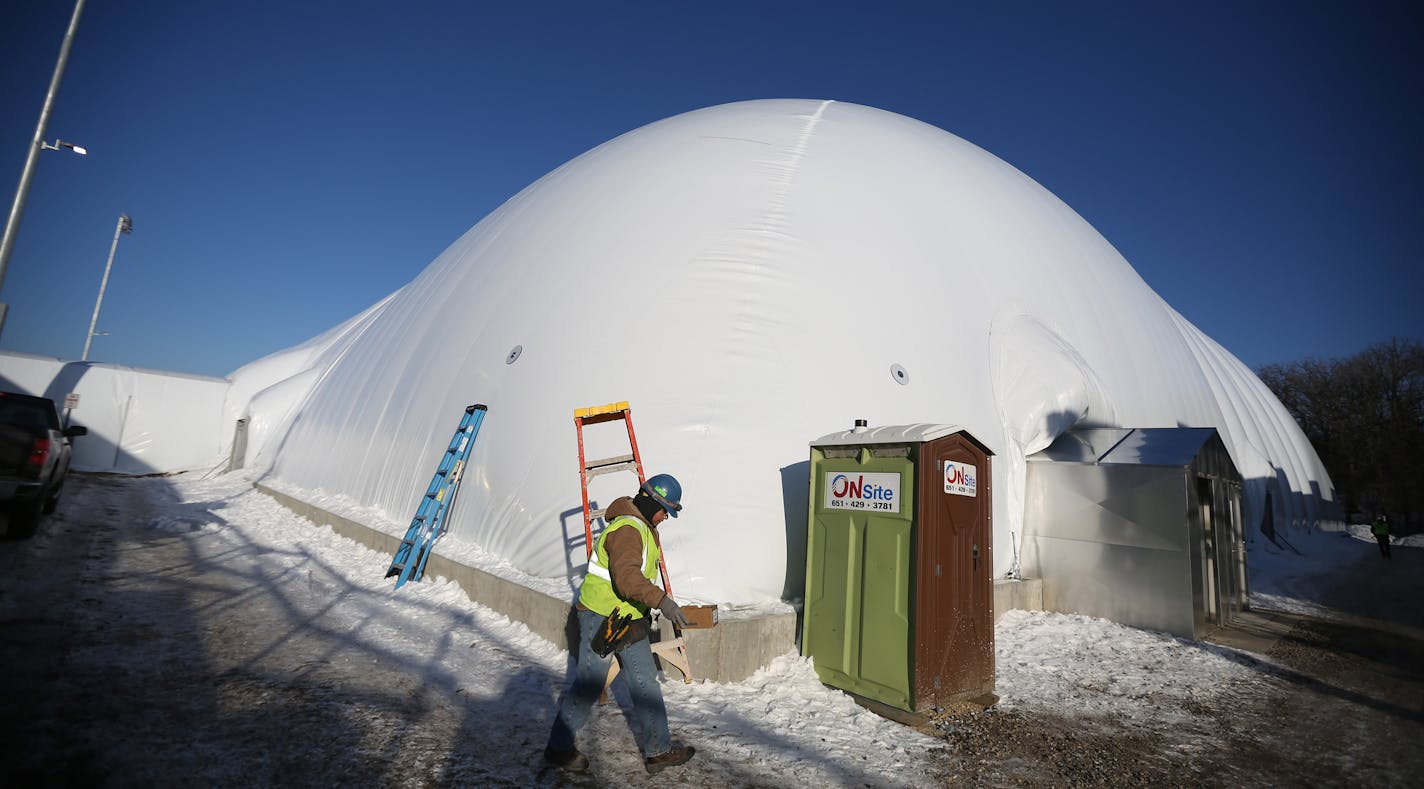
(597, 594)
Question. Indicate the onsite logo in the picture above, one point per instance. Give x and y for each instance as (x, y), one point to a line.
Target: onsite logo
(961, 479)
(876, 491)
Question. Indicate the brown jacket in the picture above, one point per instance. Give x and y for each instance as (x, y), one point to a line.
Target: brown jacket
(625, 557)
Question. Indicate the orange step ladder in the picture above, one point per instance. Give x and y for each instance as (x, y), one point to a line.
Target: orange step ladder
(673, 651)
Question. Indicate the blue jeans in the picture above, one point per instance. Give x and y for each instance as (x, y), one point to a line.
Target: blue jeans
(637, 669)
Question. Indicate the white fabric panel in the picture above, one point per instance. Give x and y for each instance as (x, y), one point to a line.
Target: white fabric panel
(139, 421)
(1265, 442)
(269, 391)
(746, 276)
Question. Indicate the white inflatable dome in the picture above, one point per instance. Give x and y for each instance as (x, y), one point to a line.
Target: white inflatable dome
(751, 277)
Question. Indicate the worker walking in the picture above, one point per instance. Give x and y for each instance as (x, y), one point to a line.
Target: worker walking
(614, 611)
(1381, 532)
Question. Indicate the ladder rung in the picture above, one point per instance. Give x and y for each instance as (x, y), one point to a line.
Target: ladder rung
(593, 464)
(594, 515)
(628, 466)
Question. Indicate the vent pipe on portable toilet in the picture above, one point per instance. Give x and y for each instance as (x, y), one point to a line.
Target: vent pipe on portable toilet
(860, 426)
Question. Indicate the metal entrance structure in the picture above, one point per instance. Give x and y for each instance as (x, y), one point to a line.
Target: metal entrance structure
(1139, 526)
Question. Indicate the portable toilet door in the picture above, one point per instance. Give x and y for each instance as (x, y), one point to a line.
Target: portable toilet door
(857, 624)
(954, 617)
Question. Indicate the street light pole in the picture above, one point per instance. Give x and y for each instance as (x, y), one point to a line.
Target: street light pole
(12, 225)
(125, 226)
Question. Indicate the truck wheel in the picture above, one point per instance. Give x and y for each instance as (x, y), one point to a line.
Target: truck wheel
(24, 521)
(52, 500)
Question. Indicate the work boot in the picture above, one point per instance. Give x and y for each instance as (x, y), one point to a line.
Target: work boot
(570, 760)
(678, 754)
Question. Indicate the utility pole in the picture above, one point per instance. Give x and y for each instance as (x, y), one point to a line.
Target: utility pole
(124, 227)
(12, 226)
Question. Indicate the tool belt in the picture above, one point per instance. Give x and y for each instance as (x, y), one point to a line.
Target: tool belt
(617, 631)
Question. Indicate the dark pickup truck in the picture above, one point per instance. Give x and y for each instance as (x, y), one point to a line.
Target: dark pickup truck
(34, 459)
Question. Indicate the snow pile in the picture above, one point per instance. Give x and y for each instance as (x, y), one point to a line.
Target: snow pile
(1363, 532)
(1096, 667)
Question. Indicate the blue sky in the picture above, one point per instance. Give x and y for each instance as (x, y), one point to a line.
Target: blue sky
(287, 164)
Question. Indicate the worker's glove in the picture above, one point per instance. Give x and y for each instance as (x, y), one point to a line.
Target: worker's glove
(672, 611)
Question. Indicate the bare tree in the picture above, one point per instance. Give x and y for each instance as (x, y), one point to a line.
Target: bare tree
(1365, 417)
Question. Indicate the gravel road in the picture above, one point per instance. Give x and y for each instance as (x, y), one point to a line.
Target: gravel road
(1334, 701)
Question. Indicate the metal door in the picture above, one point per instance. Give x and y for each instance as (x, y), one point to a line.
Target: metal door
(1241, 589)
(1211, 581)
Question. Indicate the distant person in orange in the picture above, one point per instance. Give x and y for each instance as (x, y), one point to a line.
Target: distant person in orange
(1381, 532)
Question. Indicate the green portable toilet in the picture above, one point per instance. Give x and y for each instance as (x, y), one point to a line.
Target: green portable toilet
(899, 565)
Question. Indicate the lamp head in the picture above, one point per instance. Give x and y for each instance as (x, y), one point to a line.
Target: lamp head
(58, 144)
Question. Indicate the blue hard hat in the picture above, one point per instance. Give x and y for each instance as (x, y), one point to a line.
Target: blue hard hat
(666, 491)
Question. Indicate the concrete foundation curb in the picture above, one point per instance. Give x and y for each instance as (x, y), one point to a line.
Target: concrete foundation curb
(730, 652)
(1025, 594)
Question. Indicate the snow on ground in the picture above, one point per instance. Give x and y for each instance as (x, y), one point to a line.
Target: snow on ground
(781, 723)
(1298, 575)
(1082, 665)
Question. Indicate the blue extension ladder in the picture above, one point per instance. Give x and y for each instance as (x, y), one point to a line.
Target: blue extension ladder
(429, 521)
